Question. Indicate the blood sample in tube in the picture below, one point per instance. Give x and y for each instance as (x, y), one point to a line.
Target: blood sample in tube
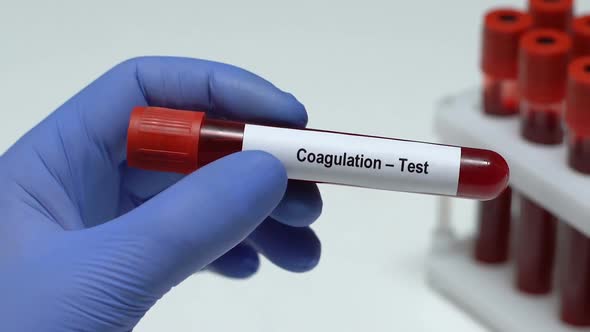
(575, 284)
(492, 240)
(179, 141)
(543, 60)
(552, 14)
(502, 31)
(535, 251)
(575, 287)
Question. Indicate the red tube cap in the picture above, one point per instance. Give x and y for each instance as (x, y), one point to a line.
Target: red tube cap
(581, 36)
(553, 14)
(501, 32)
(577, 114)
(543, 61)
(162, 139)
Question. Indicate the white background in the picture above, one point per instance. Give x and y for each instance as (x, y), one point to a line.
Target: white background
(374, 67)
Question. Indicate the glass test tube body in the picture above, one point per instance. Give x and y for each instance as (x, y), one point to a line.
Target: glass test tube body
(575, 286)
(500, 96)
(220, 138)
(183, 141)
(541, 123)
(579, 152)
(535, 254)
(492, 241)
(575, 283)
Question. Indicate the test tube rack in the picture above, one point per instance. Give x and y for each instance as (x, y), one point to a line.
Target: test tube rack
(541, 173)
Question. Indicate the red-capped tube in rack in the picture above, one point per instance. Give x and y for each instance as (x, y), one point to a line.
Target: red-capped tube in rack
(553, 14)
(182, 141)
(581, 37)
(575, 287)
(543, 60)
(577, 115)
(501, 33)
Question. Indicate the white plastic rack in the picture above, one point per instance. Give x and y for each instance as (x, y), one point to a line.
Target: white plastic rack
(541, 173)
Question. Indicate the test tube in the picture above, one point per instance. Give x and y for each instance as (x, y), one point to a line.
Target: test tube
(179, 141)
(502, 31)
(543, 60)
(581, 37)
(575, 285)
(552, 14)
(578, 115)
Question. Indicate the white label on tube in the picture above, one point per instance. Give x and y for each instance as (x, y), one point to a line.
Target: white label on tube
(358, 160)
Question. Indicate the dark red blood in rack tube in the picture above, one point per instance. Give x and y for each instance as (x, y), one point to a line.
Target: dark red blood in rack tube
(575, 287)
(548, 117)
(535, 250)
(492, 241)
(502, 31)
(553, 14)
(543, 60)
(579, 153)
(581, 37)
(575, 284)
(178, 141)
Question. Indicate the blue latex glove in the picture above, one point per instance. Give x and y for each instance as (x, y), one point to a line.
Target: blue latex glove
(87, 244)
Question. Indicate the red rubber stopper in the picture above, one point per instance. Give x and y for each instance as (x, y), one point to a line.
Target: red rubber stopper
(553, 14)
(162, 139)
(577, 114)
(543, 61)
(581, 36)
(501, 32)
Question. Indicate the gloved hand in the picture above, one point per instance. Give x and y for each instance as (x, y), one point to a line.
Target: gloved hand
(88, 244)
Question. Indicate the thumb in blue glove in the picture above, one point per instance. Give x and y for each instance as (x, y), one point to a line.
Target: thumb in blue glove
(88, 244)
